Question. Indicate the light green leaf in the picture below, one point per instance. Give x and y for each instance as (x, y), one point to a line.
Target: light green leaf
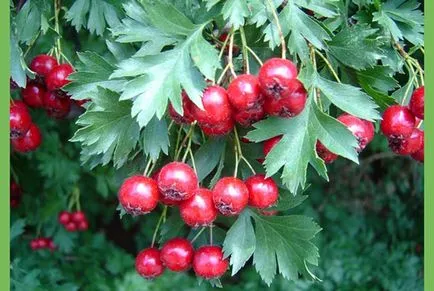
(156, 138)
(17, 228)
(208, 156)
(234, 11)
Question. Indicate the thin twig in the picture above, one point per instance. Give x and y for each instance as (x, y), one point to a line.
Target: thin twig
(279, 28)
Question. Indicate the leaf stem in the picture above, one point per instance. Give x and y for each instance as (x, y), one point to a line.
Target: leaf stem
(226, 68)
(329, 65)
(193, 163)
(145, 172)
(230, 57)
(316, 93)
(198, 235)
(279, 28)
(211, 226)
(245, 54)
(162, 216)
(255, 55)
(58, 48)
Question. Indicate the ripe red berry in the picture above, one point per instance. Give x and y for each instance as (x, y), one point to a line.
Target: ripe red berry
(51, 245)
(177, 254)
(263, 192)
(199, 210)
(247, 117)
(15, 194)
(29, 142)
(244, 92)
(138, 195)
(398, 122)
(148, 263)
(276, 76)
(417, 102)
(230, 196)
(270, 143)
(64, 217)
(55, 105)
(83, 225)
(420, 154)
(78, 216)
(43, 243)
(187, 117)
(177, 181)
(290, 103)
(408, 145)
(326, 155)
(217, 107)
(19, 119)
(34, 244)
(217, 129)
(363, 130)
(208, 262)
(33, 94)
(71, 226)
(58, 77)
(43, 64)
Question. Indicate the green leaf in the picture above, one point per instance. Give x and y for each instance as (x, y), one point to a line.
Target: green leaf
(288, 201)
(107, 129)
(379, 77)
(156, 138)
(173, 227)
(382, 100)
(357, 46)
(204, 56)
(17, 228)
(208, 156)
(18, 65)
(234, 11)
(28, 19)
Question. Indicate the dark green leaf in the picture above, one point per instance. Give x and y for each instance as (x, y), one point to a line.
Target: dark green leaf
(156, 138)
(208, 156)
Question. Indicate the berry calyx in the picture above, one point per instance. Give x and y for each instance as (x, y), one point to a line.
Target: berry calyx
(177, 254)
(230, 196)
(408, 145)
(19, 119)
(208, 262)
(187, 117)
(398, 122)
(363, 130)
(290, 103)
(56, 106)
(217, 107)
(64, 217)
(199, 210)
(217, 129)
(326, 155)
(275, 77)
(417, 102)
(270, 143)
(29, 142)
(43, 65)
(177, 181)
(58, 77)
(148, 263)
(249, 116)
(263, 192)
(244, 92)
(33, 95)
(138, 195)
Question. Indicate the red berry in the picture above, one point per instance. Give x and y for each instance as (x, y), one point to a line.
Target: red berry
(247, 117)
(208, 262)
(276, 76)
(58, 77)
(420, 154)
(28, 142)
(43, 243)
(78, 216)
(216, 104)
(43, 64)
(217, 129)
(177, 254)
(270, 143)
(417, 102)
(64, 217)
(230, 196)
(290, 103)
(263, 192)
(244, 92)
(363, 130)
(199, 210)
(19, 119)
(71, 226)
(408, 145)
(326, 155)
(187, 117)
(398, 122)
(148, 263)
(55, 105)
(268, 212)
(51, 245)
(83, 225)
(34, 244)
(33, 94)
(138, 195)
(15, 194)
(177, 181)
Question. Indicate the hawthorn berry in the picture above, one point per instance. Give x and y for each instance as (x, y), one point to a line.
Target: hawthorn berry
(290, 103)
(263, 192)
(249, 116)
(199, 210)
(417, 102)
(138, 195)
(177, 254)
(15, 194)
(148, 263)
(29, 142)
(276, 77)
(326, 155)
(71, 226)
(217, 129)
(34, 244)
(56, 106)
(19, 119)
(269, 144)
(43, 65)
(177, 181)
(33, 94)
(420, 154)
(208, 262)
(187, 117)
(78, 216)
(58, 77)
(64, 217)
(244, 92)
(83, 225)
(398, 122)
(230, 196)
(408, 145)
(363, 130)
(217, 107)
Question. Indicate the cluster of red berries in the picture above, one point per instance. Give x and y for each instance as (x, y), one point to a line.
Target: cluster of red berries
(276, 92)
(400, 126)
(42, 243)
(178, 255)
(24, 134)
(73, 221)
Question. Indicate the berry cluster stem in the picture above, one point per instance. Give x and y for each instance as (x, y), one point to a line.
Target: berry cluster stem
(245, 53)
(198, 234)
(160, 220)
(239, 154)
(230, 57)
(329, 65)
